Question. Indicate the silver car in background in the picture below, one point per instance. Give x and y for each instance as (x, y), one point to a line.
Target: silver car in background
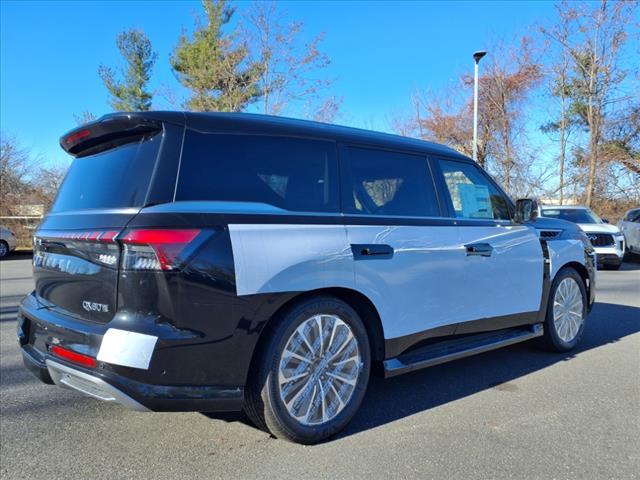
(630, 228)
(7, 241)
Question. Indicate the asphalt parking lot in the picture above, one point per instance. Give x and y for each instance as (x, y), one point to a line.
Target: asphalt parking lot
(512, 413)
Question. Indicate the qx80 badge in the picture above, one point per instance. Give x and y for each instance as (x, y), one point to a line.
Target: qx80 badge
(95, 307)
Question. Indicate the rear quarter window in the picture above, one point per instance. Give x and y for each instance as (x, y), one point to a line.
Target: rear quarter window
(289, 173)
(117, 178)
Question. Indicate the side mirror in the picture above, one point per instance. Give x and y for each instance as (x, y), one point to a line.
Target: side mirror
(605, 220)
(526, 210)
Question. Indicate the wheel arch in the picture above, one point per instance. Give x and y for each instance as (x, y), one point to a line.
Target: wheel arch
(356, 300)
(582, 271)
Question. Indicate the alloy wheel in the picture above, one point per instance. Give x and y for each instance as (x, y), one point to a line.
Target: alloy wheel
(319, 369)
(568, 309)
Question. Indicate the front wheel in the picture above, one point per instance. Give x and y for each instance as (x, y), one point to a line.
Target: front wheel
(313, 373)
(4, 249)
(566, 311)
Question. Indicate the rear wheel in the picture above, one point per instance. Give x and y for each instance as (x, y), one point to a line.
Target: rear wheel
(566, 311)
(312, 375)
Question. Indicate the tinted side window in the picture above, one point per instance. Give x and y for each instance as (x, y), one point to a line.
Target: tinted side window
(632, 216)
(289, 173)
(471, 193)
(388, 183)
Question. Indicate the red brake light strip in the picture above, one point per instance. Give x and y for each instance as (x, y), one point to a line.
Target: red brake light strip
(74, 357)
(79, 135)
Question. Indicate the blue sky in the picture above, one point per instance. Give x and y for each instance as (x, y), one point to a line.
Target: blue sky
(381, 53)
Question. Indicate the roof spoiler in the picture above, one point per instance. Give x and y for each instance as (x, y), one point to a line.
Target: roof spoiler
(106, 133)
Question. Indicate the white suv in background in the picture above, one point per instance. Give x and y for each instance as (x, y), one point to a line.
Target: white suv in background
(7, 241)
(630, 227)
(607, 240)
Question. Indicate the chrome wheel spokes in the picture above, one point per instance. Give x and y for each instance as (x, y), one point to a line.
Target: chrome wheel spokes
(319, 369)
(568, 309)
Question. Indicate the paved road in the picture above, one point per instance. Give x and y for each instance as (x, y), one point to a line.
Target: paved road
(513, 413)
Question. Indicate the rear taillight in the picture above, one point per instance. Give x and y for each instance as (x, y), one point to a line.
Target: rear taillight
(74, 357)
(98, 246)
(158, 249)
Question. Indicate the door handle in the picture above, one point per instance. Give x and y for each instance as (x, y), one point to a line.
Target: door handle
(365, 251)
(479, 249)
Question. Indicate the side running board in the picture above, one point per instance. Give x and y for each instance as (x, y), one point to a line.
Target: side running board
(449, 350)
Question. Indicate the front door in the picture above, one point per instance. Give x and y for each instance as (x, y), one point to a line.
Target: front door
(503, 261)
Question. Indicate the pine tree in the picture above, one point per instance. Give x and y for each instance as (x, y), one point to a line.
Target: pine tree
(131, 93)
(213, 66)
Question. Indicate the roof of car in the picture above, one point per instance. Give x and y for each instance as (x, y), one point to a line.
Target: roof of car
(564, 207)
(268, 124)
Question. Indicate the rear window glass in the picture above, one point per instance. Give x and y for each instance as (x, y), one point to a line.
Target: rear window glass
(117, 178)
(289, 173)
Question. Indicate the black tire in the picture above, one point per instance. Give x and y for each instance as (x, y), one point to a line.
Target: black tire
(551, 340)
(4, 252)
(263, 404)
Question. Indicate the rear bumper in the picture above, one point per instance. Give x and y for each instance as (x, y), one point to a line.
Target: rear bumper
(107, 382)
(90, 385)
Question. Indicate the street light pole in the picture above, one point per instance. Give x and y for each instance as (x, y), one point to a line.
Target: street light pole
(476, 59)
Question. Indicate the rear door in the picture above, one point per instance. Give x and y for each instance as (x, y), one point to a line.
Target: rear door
(503, 261)
(115, 173)
(406, 256)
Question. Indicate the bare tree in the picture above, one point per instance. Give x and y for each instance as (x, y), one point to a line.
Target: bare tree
(26, 179)
(46, 182)
(593, 44)
(559, 87)
(290, 68)
(85, 117)
(509, 77)
(327, 111)
(15, 168)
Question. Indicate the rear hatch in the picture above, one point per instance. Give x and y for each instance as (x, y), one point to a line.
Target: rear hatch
(116, 172)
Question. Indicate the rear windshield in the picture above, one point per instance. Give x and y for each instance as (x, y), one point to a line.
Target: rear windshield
(117, 178)
(290, 173)
(575, 215)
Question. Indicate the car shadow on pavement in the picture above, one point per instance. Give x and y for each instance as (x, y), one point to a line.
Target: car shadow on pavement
(388, 400)
(21, 255)
(629, 266)
(392, 399)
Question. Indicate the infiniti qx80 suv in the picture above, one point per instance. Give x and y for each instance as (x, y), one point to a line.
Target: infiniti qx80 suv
(227, 262)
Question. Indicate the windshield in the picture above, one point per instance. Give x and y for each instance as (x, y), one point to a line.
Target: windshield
(575, 215)
(117, 178)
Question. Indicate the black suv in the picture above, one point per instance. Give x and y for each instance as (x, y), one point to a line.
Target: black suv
(220, 262)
